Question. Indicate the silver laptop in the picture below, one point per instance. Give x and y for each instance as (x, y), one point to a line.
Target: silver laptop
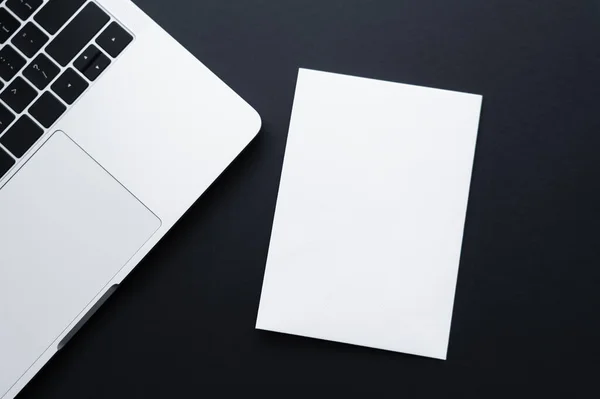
(109, 131)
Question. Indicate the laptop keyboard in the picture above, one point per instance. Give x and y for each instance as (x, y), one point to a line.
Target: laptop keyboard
(51, 51)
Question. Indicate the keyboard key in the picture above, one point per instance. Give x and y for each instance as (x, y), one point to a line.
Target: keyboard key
(10, 62)
(56, 12)
(41, 71)
(21, 136)
(8, 25)
(30, 39)
(47, 109)
(6, 118)
(6, 162)
(24, 8)
(100, 64)
(77, 34)
(1, 85)
(18, 95)
(69, 86)
(114, 39)
(92, 63)
(86, 58)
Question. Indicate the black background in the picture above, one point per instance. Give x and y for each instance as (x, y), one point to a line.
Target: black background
(526, 317)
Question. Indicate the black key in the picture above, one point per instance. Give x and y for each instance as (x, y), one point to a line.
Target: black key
(18, 95)
(30, 39)
(114, 39)
(41, 71)
(92, 65)
(24, 8)
(98, 66)
(86, 58)
(21, 136)
(6, 162)
(56, 12)
(6, 118)
(69, 86)
(47, 109)
(77, 34)
(10, 62)
(8, 25)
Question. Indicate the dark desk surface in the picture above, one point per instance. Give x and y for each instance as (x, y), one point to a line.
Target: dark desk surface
(526, 315)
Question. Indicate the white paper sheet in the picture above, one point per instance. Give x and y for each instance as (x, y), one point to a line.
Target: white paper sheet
(370, 214)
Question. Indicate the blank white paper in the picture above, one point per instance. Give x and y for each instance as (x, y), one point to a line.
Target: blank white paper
(369, 221)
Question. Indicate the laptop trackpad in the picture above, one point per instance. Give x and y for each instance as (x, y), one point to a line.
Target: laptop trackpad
(66, 228)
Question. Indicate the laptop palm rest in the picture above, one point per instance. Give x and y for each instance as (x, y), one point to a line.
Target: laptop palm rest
(66, 228)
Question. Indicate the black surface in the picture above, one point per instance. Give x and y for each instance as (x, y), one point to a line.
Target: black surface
(24, 9)
(114, 39)
(18, 95)
(97, 66)
(69, 86)
(6, 117)
(92, 62)
(47, 109)
(30, 39)
(6, 162)
(77, 34)
(8, 25)
(526, 320)
(41, 71)
(56, 13)
(21, 136)
(10, 62)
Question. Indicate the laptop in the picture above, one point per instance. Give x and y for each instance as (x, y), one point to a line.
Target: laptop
(109, 132)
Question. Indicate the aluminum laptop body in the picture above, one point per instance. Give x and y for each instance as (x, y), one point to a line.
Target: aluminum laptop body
(109, 132)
